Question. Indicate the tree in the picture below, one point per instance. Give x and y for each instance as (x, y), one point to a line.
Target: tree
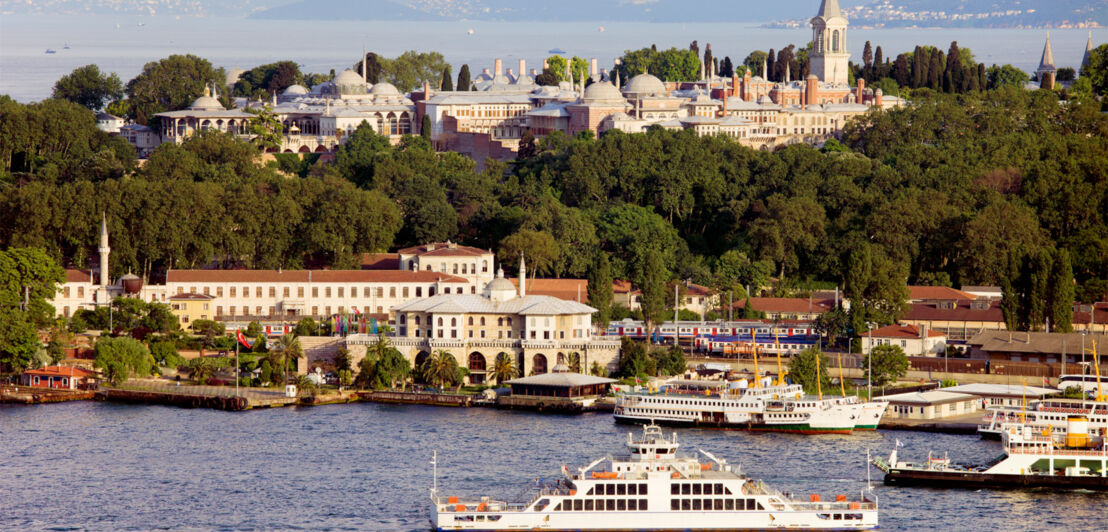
(440, 367)
(264, 81)
(373, 65)
(669, 65)
(538, 247)
(726, 68)
(755, 61)
(600, 288)
(447, 82)
(1096, 70)
(88, 87)
(392, 367)
(289, 348)
(425, 127)
(165, 354)
(867, 59)
(1005, 76)
(464, 78)
(504, 368)
(208, 330)
(202, 369)
(632, 358)
(597, 370)
(573, 360)
(802, 370)
(341, 359)
(266, 128)
(170, 84)
(307, 327)
(889, 363)
(1060, 293)
(411, 69)
(653, 287)
(122, 358)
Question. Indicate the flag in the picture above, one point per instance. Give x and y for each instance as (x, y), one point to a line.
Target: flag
(356, 311)
(373, 325)
(242, 340)
(898, 444)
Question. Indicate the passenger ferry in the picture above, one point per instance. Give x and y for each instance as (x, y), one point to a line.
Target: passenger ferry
(653, 488)
(1050, 412)
(1035, 456)
(777, 408)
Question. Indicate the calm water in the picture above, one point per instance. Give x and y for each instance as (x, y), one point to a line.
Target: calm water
(100, 466)
(120, 44)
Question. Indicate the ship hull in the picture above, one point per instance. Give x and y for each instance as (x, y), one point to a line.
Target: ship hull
(975, 480)
(798, 428)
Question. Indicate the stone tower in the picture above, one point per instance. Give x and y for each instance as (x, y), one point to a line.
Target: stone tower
(1047, 70)
(104, 251)
(829, 57)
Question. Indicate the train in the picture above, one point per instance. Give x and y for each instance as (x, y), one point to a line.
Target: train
(725, 338)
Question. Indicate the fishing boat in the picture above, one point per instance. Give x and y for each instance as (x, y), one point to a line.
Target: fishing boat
(557, 51)
(49, 51)
(1034, 456)
(653, 488)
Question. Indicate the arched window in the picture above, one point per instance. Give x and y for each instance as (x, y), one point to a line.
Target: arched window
(471, 321)
(835, 41)
(509, 322)
(440, 322)
(499, 322)
(482, 321)
(417, 320)
(453, 322)
(403, 319)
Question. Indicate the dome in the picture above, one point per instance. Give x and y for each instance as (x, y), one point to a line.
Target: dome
(296, 90)
(645, 85)
(384, 88)
(132, 284)
(602, 91)
(500, 289)
(206, 103)
(348, 77)
(500, 283)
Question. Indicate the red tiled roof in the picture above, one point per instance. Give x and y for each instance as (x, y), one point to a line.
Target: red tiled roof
(443, 249)
(623, 287)
(920, 293)
(302, 276)
(61, 371)
(567, 289)
(380, 261)
(901, 331)
(962, 311)
(786, 304)
(1099, 314)
(78, 276)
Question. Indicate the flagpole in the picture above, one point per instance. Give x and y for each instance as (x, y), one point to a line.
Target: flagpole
(236, 367)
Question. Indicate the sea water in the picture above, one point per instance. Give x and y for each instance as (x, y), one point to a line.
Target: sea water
(124, 44)
(104, 466)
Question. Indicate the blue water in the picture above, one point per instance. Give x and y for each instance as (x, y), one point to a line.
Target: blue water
(119, 44)
(99, 466)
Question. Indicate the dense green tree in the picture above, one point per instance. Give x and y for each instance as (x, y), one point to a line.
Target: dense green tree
(504, 368)
(88, 87)
(122, 358)
(539, 249)
(170, 84)
(266, 128)
(409, 70)
(600, 289)
(374, 66)
(464, 80)
(1096, 70)
(653, 285)
(802, 370)
(755, 61)
(1060, 293)
(1007, 75)
(669, 65)
(264, 81)
(889, 363)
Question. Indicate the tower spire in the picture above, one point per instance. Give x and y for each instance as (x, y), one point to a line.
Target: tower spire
(522, 276)
(104, 250)
(1047, 62)
(829, 8)
(364, 78)
(1088, 51)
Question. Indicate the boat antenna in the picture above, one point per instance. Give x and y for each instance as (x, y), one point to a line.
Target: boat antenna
(754, 344)
(1023, 400)
(842, 387)
(869, 483)
(819, 385)
(777, 345)
(434, 473)
(1096, 368)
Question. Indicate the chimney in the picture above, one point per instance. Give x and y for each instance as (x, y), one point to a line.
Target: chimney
(426, 90)
(812, 90)
(545, 64)
(877, 97)
(923, 331)
(499, 67)
(522, 66)
(858, 91)
(593, 68)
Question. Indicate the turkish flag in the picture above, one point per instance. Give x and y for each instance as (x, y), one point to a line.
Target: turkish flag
(242, 340)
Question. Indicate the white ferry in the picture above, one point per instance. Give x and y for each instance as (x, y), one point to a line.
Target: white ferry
(1035, 456)
(1049, 412)
(654, 489)
(777, 408)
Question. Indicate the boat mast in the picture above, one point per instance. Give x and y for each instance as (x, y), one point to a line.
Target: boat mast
(1096, 368)
(434, 473)
(842, 387)
(754, 346)
(777, 344)
(819, 385)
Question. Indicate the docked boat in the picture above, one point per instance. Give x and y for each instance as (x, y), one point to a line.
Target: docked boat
(1034, 456)
(653, 488)
(1051, 412)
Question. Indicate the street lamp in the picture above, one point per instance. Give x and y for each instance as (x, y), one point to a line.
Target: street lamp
(869, 358)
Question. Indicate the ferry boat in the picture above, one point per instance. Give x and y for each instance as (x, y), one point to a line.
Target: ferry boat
(777, 408)
(653, 488)
(1052, 412)
(1034, 456)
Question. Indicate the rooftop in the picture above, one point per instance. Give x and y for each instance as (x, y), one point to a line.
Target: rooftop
(561, 379)
(444, 249)
(932, 397)
(1036, 342)
(566, 289)
(61, 371)
(920, 293)
(1009, 390)
(191, 296)
(901, 331)
(472, 303)
(78, 276)
(304, 276)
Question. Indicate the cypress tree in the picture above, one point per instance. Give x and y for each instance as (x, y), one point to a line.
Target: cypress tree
(727, 68)
(901, 72)
(1009, 294)
(425, 127)
(954, 67)
(1061, 294)
(600, 289)
(653, 288)
(919, 68)
(867, 56)
(463, 78)
(447, 80)
(1038, 289)
(878, 64)
(771, 66)
(934, 71)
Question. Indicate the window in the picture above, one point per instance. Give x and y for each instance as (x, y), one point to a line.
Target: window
(315, 310)
(471, 321)
(341, 291)
(418, 292)
(300, 291)
(315, 291)
(219, 291)
(285, 292)
(257, 291)
(258, 310)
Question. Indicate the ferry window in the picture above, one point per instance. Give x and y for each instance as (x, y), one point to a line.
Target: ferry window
(642, 505)
(642, 489)
(611, 489)
(632, 489)
(542, 504)
(621, 489)
(729, 504)
(675, 504)
(696, 489)
(685, 489)
(838, 517)
(685, 504)
(611, 504)
(588, 505)
(719, 489)
(726, 490)
(577, 505)
(718, 504)
(674, 489)
(695, 504)
(632, 504)
(591, 490)
(559, 508)
(621, 505)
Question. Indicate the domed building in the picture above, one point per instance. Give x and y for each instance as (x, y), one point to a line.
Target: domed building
(644, 86)
(599, 101)
(205, 113)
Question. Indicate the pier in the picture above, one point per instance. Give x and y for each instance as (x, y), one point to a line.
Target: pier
(30, 395)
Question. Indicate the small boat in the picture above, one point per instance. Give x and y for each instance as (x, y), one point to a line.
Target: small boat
(557, 51)
(470, 31)
(49, 51)
(1035, 456)
(652, 487)
(601, 29)
(66, 47)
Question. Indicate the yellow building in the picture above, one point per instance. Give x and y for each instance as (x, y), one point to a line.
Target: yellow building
(190, 307)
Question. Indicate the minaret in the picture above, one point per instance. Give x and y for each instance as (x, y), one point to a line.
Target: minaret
(1088, 52)
(829, 56)
(104, 250)
(364, 77)
(522, 276)
(1047, 70)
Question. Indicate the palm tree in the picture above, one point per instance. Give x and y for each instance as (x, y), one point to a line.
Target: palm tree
(598, 370)
(440, 367)
(573, 360)
(289, 348)
(504, 368)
